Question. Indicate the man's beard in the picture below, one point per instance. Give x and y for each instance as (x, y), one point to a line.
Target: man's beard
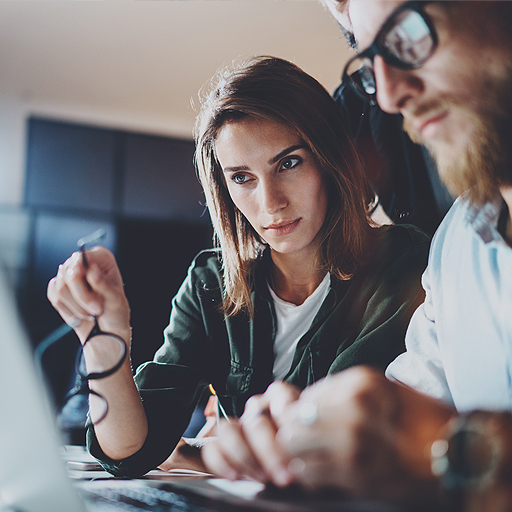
(484, 164)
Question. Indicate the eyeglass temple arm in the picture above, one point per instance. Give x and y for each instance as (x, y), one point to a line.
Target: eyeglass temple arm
(93, 238)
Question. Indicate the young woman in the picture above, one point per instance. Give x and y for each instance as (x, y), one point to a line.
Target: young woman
(300, 286)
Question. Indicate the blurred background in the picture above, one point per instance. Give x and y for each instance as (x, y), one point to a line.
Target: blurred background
(97, 105)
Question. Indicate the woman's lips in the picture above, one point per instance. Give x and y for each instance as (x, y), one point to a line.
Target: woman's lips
(282, 228)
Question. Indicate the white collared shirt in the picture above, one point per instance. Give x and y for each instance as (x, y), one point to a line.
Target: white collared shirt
(459, 341)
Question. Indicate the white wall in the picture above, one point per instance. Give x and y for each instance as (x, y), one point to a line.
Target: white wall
(14, 222)
(136, 65)
(12, 150)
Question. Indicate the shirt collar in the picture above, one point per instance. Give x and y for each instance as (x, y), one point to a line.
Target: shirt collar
(484, 219)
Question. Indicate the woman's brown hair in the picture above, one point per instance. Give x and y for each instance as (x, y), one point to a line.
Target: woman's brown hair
(274, 89)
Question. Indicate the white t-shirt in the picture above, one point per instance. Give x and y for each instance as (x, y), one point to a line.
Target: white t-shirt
(292, 323)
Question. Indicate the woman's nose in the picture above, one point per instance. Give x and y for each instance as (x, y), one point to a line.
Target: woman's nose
(272, 197)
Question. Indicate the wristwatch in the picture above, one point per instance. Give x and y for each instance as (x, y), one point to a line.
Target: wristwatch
(466, 459)
(468, 453)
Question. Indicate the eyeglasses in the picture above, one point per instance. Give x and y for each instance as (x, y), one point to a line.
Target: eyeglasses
(101, 355)
(406, 41)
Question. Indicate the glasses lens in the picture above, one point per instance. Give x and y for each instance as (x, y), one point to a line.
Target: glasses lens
(409, 40)
(360, 74)
(76, 413)
(103, 353)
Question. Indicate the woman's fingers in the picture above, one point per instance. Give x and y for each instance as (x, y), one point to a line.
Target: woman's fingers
(70, 310)
(74, 288)
(79, 293)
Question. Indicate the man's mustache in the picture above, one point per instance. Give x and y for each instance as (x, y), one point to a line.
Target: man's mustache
(423, 110)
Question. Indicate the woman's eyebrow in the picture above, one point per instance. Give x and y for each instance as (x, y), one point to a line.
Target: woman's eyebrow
(286, 151)
(235, 169)
(273, 160)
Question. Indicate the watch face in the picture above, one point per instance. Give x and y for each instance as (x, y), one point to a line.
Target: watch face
(470, 454)
(467, 458)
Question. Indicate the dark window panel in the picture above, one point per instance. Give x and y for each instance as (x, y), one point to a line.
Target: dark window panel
(70, 166)
(160, 181)
(154, 258)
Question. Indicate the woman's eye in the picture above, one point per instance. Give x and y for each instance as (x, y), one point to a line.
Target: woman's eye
(290, 162)
(240, 178)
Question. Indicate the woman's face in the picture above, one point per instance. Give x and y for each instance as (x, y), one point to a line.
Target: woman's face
(275, 182)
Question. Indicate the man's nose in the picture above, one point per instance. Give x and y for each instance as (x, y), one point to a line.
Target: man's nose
(272, 196)
(395, 87)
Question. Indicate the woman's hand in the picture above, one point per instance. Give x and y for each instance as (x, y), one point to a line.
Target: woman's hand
(186, 455)
(79, 294)
(247, 448)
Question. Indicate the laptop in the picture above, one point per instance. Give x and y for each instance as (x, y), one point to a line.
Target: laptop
(32, 475)
(33, 472)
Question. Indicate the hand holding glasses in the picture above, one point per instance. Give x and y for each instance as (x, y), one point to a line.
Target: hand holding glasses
(406, 41)
(101, 355)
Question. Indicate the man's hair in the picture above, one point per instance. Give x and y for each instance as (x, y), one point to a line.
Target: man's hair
(273, 89)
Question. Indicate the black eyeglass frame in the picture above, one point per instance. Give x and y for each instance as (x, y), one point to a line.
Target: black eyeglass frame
(378, 48)
(81, 386)
(96, 331)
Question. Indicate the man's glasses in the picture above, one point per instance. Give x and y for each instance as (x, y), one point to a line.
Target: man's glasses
(101, 355)
(405, 41)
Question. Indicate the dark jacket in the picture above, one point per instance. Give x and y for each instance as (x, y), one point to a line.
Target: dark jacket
(361, 321)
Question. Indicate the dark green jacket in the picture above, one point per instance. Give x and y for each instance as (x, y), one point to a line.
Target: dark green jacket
(362, 321)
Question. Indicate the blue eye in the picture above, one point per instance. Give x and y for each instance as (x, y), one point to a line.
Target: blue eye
(239, 178)
(290, 162)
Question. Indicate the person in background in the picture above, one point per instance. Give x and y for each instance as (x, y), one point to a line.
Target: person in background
(401, 172)
(438, 430)
(302, 284)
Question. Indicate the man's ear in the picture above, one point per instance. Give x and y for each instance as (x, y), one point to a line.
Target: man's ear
(339, 10)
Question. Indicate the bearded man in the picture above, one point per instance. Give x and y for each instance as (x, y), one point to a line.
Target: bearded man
(438, 430)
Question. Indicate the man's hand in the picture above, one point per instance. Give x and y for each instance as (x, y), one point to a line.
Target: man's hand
(361, 433)
(247, 447)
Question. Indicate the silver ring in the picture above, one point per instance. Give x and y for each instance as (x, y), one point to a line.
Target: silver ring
(308, 413)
